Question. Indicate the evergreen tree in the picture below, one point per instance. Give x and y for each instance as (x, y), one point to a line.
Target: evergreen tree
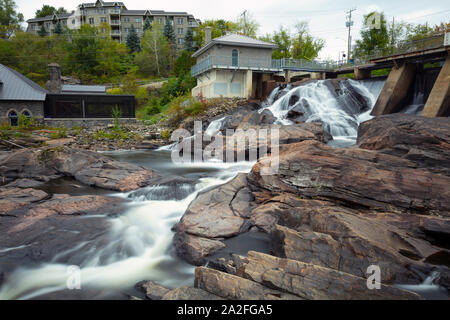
(58, 28)
(147, 24)
(169, 32)
(42, 32)
(189, 40)
(133, 41)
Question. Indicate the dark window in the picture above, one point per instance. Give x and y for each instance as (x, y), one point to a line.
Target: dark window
(235, 58)
(26, 114)
(13, 118)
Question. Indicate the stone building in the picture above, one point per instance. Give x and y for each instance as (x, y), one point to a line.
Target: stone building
(117, 17)
(65, 105)
(233, 66)
(19, 95)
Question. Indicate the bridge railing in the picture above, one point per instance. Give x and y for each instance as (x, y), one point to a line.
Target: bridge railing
(302, 64)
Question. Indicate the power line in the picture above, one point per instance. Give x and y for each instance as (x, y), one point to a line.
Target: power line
(349, 25)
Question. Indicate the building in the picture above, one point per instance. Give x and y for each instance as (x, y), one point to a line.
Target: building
(19, 95)
(117, 17)
(68, 106)
(233, 66)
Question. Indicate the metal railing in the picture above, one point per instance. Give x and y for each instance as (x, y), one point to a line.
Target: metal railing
(303, 65)
(228, 62)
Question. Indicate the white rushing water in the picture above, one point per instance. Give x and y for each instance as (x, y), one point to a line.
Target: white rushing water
(340, 112)
(136, 247)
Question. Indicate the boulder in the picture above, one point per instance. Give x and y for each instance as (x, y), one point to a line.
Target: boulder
(195, 249)
(232, 287)
(424, 141)
(152, 290)
(87, 167)
(313, 282)
(357, 177)
(190, 293)
(15, 198)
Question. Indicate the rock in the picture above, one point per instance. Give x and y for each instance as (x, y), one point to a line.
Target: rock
(195, 249)
(15, 198)
(232, 287)
(424, 141)
(87, 167)
(190, 293)
(152, 290)
(313, 282)
(24, 183)
(359, 178)
(219, 212)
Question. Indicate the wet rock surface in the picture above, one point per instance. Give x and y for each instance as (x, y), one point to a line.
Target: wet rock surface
(331, 213)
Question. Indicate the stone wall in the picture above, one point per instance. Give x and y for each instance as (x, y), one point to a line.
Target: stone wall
(70, 123)
(35, 108)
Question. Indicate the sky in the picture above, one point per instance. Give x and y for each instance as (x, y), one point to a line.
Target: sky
(326, 18)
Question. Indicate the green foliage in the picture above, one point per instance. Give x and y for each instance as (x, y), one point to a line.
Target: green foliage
(133, 41)
(189, 41)
(115, 91)
(10, 20)
(155, 54)
(183, 64)
(42, 32)
(282, 39)
(304, 45)
(169, 32)
(26, 123)
(147, 24)
(219, 28)
(247, 26)
(142, 96)
(372, 38)
(59, 133)
(58, 28)
(116, 114)
(166, 134)
(47, 10)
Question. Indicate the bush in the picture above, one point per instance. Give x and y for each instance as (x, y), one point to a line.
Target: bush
(115, 91)
(166, 134)
(142, 96)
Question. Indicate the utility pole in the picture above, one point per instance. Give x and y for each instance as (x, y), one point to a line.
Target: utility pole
(349, 25)
(244, 14)
(393, 31)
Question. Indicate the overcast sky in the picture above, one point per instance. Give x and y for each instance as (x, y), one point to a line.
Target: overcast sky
(326, 17)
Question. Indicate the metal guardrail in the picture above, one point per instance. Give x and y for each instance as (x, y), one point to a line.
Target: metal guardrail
(406, 47)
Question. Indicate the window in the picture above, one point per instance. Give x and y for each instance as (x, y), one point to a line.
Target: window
(26, 113)
(180, 20)
(180, 31)
(91, 20)
(33, 27)
(138, 20)
(13, 118)
(64, 22)
(103, 20)
(127, 30)
(126, 19)
(47, 25)
(160, 20)
(73, 21)
(180, 40)
(235, 58)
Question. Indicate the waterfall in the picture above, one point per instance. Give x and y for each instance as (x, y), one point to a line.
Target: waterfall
(341, 106)
(136, 246)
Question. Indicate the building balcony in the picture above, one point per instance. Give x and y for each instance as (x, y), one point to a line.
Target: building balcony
(115, 22)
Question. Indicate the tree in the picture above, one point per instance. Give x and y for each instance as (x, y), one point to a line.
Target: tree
(169, 32)
(154, 56)
(304, 45)
(42, 32)
(183, 64)
(133, 41)
(9, 19)
(247, 25)
(58, 28)
(189, 41)
(219, 28)
(283, 40)
(47, 10)
(373, 38)
(147, 24)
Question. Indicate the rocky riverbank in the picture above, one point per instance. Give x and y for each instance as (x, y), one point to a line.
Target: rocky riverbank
(330, 214)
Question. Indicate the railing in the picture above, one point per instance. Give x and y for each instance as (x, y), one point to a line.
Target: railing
(115, 22)
(231, 63)
(301, 64)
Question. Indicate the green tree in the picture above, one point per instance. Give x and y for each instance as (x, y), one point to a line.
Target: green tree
(219, 28)
(169, 32)
(372, 37)
(189, 41)
(183, 64)
(47, 10)
(153, 59)
(58, 28)
(42, 32)
(304, 45)
(9, 19)
(147, 24)
(133, 41)
(247, 25)
(283, 40)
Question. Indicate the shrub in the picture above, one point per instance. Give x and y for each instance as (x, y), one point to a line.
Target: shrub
(115, 91)
(142, 96)
(165, 134)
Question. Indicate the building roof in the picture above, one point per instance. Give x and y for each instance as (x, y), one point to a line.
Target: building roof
(236, 40)
(16, 86)
(74, 89)
(51, 17)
